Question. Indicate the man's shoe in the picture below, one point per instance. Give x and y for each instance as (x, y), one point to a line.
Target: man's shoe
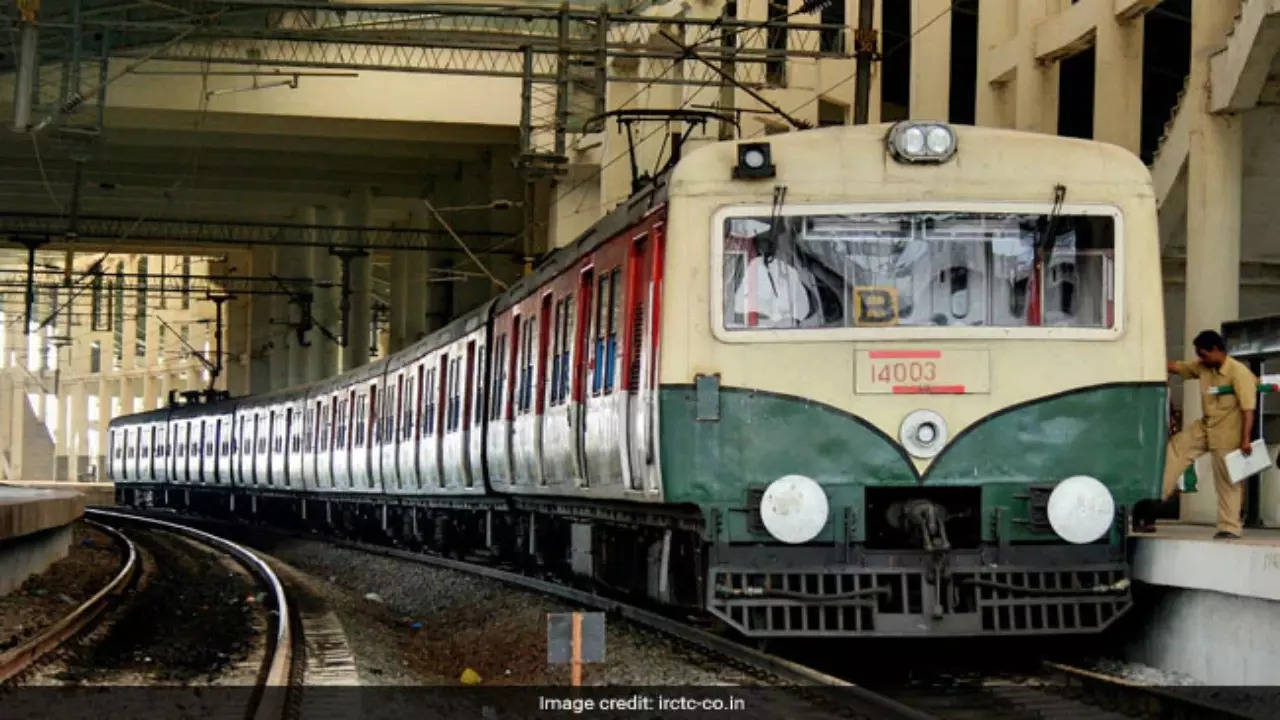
(1224, 535)
(1144, 527)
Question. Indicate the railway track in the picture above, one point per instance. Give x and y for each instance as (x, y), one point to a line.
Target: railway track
(1056, 692)
(276, 692)
(15, 661)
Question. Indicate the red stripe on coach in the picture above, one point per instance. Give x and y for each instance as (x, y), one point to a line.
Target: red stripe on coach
(928, 389)
(905, 354)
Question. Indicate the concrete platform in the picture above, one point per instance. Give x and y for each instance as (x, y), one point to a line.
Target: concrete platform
(1210, 606)
(95, 493)
(35, 531)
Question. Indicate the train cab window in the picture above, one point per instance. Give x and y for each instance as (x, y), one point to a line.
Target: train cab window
(919, 269)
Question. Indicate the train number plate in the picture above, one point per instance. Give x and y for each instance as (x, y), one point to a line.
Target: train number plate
(922, 372)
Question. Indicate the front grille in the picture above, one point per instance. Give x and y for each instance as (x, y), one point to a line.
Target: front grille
(862, 601)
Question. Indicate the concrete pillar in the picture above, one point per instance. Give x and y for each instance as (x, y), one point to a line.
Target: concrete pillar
(235, 331)
(260, 329)
(105, 393)
(324, 354)
(1117, 84)
(416, 296)
(1035, 85)
(401, 288)
(360, 275)
(79, 434)
(930, 59)
(17, 424)
(62, 433)
(1214, 181)
(418, 320)
(997, 23)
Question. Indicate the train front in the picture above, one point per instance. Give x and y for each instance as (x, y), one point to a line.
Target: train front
(913, 378)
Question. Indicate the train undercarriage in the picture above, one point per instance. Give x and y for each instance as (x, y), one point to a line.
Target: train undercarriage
(761, 591)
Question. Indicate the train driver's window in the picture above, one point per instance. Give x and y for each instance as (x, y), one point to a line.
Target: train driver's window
(923, 268)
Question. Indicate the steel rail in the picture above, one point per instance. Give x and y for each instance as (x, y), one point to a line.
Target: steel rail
(761, 661)
(276, 670)
(15, 660)
(1169, 703)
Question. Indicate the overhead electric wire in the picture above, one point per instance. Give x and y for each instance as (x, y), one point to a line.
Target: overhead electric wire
(887, 53)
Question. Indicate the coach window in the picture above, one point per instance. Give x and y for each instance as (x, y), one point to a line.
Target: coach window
(956, 269)
(341, 420)
(358, 437)
(429, 404)
(499, 384)
(477, 385)
(527, 358)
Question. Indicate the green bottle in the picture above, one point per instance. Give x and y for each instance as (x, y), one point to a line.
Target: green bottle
(1188, 482)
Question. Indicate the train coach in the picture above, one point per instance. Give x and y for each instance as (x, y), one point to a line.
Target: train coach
(883, 380)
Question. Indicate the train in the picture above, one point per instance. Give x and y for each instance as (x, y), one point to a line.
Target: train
(896, 380)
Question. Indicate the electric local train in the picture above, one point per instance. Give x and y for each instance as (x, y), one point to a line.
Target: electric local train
(897, 380)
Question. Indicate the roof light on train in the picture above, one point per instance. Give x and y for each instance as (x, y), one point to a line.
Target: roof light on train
(754, 161)
(1081, 509)
(922, 142)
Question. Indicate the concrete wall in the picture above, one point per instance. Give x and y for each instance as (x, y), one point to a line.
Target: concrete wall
(31, 555)
(1216, 638)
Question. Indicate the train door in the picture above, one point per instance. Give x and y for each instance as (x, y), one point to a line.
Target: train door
(580, 364)
(464, 386)
(407, 435)
(559, 429)
(297, 431)
(324, 443)
(393, 419)
(439, 389)
(475, 443)
(220, 443)
(640, 374)
(365, 438)
(111, 456)
(288, 448)
(241, 450)
(602, 409)
(526, 442)
(502, 372)
(180, 452)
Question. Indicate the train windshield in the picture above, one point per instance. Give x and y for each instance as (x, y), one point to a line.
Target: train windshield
(918, 269)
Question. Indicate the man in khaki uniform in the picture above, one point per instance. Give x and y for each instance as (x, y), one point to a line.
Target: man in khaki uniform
(1227, 425)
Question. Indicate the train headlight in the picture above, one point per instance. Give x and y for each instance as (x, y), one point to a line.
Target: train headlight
(923, 433)
(794, 509)
(1081, 509)
(922, 142)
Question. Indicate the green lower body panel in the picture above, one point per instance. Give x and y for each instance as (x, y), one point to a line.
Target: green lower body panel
(1005, 572)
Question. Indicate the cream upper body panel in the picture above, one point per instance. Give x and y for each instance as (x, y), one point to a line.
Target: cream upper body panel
(849, 167)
